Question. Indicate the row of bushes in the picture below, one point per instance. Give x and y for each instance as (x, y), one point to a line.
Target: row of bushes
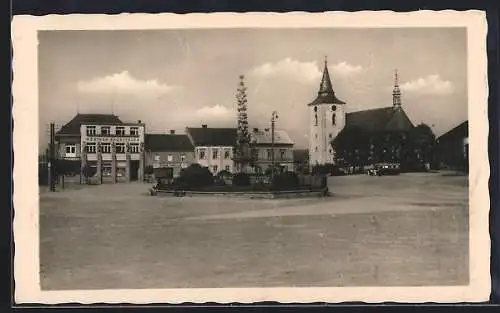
(196, 177)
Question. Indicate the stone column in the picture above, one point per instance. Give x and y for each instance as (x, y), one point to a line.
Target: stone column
(141, 162)
(99, 163)
(113, 162)
(83, 162)
(127, 163)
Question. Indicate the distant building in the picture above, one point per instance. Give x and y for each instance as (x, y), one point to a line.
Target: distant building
(453, 147)
(169, 152)
(104, 142)
(262, 148)
(213, 147)
(329, 122)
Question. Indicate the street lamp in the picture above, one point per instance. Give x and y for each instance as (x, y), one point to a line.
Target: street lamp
(274, 117)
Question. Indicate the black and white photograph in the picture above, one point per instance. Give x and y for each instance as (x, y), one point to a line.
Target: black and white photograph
(247, 157)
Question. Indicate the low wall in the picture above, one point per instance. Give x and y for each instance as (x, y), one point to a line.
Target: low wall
(286, 194)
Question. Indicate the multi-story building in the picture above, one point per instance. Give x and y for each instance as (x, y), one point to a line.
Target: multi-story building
(101, 141)
(262, 148)
(213, 147)
(169, 152)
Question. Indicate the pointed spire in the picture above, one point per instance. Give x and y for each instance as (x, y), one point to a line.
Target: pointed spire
(325, 87)
(396, 93)
(326, 95)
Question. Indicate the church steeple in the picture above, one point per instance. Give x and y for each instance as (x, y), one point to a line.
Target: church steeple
(396, 92)
(326, 95)
(325, 87)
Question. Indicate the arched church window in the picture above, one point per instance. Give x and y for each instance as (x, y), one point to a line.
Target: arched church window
(334, 108)
(333, 119)
(315, 109)
(316, 116)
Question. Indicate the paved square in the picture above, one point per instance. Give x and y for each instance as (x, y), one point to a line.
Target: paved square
(405, 230)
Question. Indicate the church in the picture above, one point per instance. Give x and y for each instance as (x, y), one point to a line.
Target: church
(363, 137)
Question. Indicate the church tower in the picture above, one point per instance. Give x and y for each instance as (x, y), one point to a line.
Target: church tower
(396, 92)
(326, 120)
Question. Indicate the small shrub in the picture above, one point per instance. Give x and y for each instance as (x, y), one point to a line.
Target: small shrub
(241, 179)
(194, 176)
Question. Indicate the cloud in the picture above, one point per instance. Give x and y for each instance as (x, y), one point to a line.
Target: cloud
(304, 72)
(346, 69)
(300, 71)
(432, 84)
(124, 83)
(216, 115)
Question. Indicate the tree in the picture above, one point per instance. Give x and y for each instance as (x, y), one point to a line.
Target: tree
(421, 145)
(352, 146)
(194, 176)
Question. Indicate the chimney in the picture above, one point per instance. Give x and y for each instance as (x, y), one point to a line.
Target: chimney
(204, 126)
(172, 132)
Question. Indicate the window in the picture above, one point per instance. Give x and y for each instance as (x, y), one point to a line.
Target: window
(120, 147)
(157, 157)
(330, 135)
(134, 131)
(333, 119)
(120, 131)
(214, 169)
(215, 153)
(91, 130)
(228, 168)
(227, 154)
(134, 147)
(105, 130)
(70, 150)
(316, 136)
(170, 158)
(316, 149)
(269, 154)
(105, 147)
(202, 154)
(282, 154)
(183, 157)
(90, 147)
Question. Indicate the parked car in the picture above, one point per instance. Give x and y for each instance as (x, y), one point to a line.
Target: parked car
(385, 169)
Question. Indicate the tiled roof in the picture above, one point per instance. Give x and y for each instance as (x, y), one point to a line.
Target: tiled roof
(264, 137)
(168, 143)
(382, 119)
(73, 126)
(459, 131)
(205, 136)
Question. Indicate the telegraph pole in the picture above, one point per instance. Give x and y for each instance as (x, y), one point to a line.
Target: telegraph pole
(52, 159)
(274, 117)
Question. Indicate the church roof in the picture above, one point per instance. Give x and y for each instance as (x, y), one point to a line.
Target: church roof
(73, 126)
(326, 95)
(381, 119)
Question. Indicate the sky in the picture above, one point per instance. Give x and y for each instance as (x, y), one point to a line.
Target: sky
(171, 79)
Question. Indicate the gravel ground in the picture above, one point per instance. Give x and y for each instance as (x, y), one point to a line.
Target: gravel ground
(406, 230)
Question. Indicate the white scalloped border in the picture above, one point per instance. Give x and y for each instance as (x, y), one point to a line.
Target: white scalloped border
(25, 114)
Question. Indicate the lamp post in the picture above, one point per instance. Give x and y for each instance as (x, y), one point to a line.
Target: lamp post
(274, 117)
